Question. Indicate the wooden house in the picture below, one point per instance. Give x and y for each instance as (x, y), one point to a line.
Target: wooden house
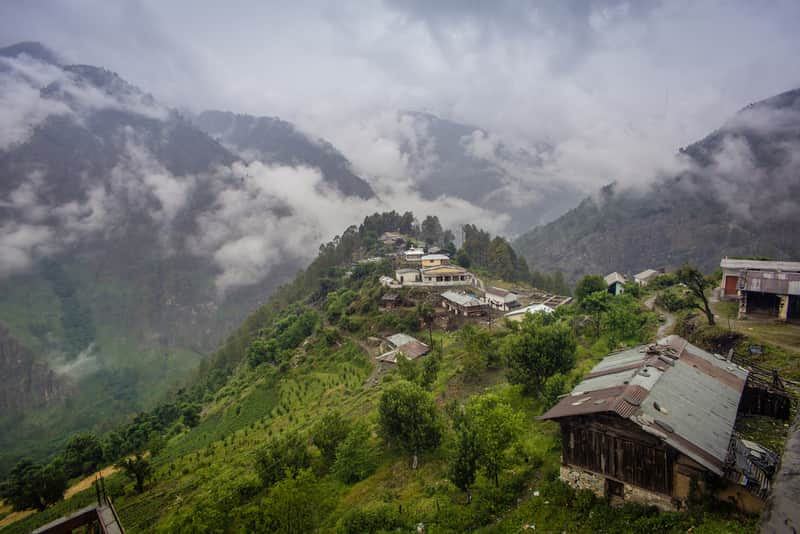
(390, 301)
(771, 287)
(615, 283)
(647, 422)
(460, 303)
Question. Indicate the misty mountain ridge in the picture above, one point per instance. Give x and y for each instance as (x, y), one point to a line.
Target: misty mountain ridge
(162, 240)
(738, 196)
(449, 158)
(272, 140)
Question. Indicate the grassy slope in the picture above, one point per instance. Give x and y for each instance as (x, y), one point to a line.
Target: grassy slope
(202, 469)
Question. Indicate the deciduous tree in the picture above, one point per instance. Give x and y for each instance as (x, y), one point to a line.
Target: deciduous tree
(409, 419)
(697, 284)
(536, 351)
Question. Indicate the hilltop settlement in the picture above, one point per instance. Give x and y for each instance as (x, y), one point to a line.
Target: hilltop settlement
(401, 383)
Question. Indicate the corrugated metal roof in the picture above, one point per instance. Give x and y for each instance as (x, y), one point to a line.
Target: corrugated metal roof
(400, 339)
(613, 278)
(675, 390)
(778, 283)
(462, 299)
(730, 263)
(435, 257)
(647, 274)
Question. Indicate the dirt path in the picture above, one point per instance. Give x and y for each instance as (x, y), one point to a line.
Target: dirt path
(13, 517)
(669, 319)
(87, 482)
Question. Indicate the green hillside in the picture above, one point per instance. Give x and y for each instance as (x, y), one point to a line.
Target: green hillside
(298, 424)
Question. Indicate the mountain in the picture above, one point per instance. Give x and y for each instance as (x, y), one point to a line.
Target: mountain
(449, 158)
(738, 197)
(131, 243)
(273, 140)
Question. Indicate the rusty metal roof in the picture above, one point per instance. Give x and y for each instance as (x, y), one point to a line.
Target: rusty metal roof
(760, 265)
(674, 390)
(778, 283)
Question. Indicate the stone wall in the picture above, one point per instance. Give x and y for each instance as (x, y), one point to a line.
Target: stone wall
(581, 479)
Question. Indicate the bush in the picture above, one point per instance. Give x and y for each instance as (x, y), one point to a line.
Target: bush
(371, 519)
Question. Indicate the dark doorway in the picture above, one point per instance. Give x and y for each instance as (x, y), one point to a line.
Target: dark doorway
(766, 303)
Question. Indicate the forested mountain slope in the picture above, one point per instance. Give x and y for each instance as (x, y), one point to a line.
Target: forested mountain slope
(738, 196)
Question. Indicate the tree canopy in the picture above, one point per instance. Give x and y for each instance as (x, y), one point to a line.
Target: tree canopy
(535, 350)
(409, 419)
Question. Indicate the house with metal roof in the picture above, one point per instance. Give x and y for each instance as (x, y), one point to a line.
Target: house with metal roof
(771, 287)
(645, 277)
(403, 345)
(460, 303)
(501, 299)
(647, 422)
(615, 283)
(414, 255)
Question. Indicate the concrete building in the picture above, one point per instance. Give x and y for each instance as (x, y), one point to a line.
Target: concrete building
(414, 255)
(435, 260)
(446, 275)
(464, 304)
(501, 299)
(405, 276)
(771, 287)
(647, 422)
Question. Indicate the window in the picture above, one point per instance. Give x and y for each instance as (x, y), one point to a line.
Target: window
(614, 488)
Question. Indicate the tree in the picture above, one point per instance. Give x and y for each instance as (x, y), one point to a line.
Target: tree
(355, 457)
(535, 351)
(408, 369)
(464, 463)
(431, 230)
(596, 304)
(294, 505)
(191, 415)
(697, 284)
(426, 316)
(328, 433)
(623, 319)
(408, 417)
(83, 453)
(33, 486)
(282, 456)
(430, 368)
(498, 427)
(589, 284)
(138, 469)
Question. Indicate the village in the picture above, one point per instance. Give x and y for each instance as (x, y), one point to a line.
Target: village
(657, 424)
(664, 424)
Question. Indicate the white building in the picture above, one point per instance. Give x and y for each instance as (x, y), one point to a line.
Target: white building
(501, 299)
(414, 255)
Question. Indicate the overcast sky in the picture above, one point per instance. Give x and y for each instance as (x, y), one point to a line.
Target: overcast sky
(543, 70)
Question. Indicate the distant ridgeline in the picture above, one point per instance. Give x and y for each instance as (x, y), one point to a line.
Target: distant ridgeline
(739, 197)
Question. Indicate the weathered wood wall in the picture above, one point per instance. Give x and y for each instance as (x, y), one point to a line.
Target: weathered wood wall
(617, 449)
